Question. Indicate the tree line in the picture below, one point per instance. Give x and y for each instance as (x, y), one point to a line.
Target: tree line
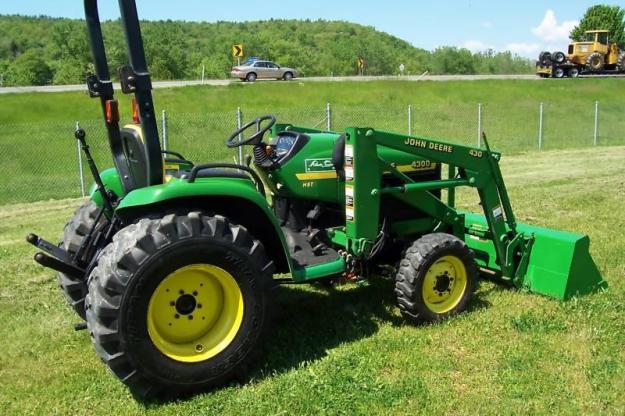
(42, 50)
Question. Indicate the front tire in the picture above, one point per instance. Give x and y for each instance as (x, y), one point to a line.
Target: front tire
(288, 76)
(436, 278)
(179, 304)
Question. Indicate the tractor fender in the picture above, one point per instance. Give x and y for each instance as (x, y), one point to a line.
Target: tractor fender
(234, 198)
(110, 179)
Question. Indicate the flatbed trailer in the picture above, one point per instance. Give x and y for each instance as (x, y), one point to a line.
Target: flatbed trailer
(570, 70)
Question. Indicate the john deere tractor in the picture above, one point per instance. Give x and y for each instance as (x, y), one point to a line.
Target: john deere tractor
(173, 263)
(595, 55)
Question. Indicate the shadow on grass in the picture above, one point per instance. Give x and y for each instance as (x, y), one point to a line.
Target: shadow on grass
(312, 322)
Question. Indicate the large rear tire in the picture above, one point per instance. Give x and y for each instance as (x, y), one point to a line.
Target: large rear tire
(74, 234)
(179, 304)
(436, 278)
(595, 62)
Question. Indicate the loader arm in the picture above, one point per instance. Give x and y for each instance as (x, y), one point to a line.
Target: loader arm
(496, 234)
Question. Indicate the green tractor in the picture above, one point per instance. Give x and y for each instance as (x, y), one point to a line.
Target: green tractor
(174, 265)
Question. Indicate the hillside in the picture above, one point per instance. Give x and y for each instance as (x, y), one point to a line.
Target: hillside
(42, 50)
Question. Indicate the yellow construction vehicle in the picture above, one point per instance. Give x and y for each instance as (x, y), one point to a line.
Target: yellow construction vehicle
(595, 55)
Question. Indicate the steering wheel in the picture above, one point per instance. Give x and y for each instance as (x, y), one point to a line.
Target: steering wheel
(254, 139)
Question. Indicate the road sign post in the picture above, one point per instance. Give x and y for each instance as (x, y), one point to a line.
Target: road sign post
(361, 66)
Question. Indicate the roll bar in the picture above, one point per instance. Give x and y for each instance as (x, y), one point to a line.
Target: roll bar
(135, 79)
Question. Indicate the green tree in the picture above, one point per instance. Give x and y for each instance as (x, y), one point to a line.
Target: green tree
(29, 69)
(602, 17)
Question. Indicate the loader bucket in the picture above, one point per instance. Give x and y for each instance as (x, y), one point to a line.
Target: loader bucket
(560, 264)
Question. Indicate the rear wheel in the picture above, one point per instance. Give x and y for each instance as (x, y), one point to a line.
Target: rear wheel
(436, 278)
(251, 77)
(574, 72)
(558, 73)
(74, 234)
(179, 304)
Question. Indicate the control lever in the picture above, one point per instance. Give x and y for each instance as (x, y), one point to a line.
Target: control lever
(248, 160)
(81, 135)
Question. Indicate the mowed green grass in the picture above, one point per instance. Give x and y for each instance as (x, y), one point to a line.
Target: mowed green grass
(348, 351)
(39, 156)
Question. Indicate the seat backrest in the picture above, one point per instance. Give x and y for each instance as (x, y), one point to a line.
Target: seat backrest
(135, 154)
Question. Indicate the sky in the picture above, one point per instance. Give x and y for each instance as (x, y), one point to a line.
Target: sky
(524, 27)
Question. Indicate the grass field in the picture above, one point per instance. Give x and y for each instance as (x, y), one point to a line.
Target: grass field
(348, 351)
(39, 158)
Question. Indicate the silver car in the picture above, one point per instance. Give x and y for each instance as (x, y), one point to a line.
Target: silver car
(262, 70)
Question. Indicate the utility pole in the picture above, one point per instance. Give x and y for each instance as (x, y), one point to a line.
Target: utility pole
(596, 135)
(479, 125)
(541, 116)
(203, 69)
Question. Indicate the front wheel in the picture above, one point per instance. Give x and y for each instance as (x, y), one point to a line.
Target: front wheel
(179, 304)
(288, 76)
(573, 72)
(436, 278)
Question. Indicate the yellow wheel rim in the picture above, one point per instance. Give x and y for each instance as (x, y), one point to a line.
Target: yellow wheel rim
(195, 313)
(444, 285)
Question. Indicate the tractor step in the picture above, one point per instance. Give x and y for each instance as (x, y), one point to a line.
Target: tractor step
(303, 253)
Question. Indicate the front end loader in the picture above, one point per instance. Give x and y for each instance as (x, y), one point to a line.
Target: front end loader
(173, 264)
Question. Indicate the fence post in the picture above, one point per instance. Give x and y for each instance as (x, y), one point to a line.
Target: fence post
(80, 168)
(328, 117)
(239, 124)
(540, 126)
(596, 134)
(479, 125)
(164, 128)
(409, 120)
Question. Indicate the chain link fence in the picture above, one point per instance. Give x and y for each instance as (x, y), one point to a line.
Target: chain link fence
(42, 161)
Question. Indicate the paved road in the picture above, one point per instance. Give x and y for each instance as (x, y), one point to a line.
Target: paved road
(174, 84)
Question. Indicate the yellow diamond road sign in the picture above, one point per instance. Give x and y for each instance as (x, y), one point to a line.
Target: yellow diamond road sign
(361, 63)
(237, 51)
